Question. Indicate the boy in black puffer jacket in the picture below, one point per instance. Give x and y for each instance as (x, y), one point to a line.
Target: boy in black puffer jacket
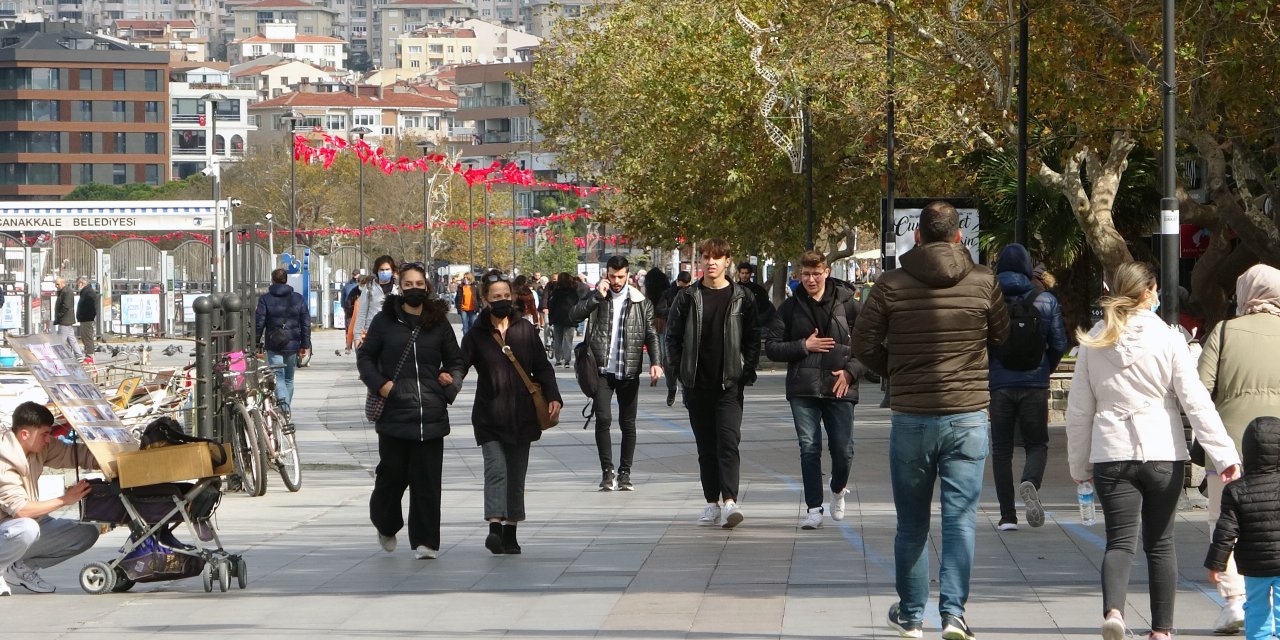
(1250, 524)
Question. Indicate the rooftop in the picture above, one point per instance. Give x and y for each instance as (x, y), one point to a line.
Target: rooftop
(302, 39)
(389, 100)
(154, 25)
(67, 42)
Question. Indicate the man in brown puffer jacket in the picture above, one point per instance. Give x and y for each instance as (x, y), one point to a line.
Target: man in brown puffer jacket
(928, 326)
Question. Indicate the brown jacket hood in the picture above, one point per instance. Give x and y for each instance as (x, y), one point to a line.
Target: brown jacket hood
(938, 264)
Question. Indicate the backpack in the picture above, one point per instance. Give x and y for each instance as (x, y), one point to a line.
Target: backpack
(587, 373)
(1024, 348)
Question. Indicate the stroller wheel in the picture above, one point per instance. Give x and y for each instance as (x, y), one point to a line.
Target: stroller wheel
(123, 582)
(224, 575)
(207, 576)
(242, 572)
(97, 578)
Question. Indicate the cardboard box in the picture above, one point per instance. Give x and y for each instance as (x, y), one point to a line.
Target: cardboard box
(173, 463)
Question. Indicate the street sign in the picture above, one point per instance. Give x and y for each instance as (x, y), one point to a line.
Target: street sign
(116, 215)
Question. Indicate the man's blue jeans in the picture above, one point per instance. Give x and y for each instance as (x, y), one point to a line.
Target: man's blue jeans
(811, 415)
(284, 376)
(922, 449)
(468, 319)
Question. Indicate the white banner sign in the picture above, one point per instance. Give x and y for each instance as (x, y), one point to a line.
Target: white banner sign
(140, 308)
(906, 221)
(126, 215)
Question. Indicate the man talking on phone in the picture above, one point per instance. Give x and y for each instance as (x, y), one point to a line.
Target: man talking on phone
(30, 539)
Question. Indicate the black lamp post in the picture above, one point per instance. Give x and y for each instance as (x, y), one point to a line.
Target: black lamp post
(427, 147)
(362, 131)
(292, 117)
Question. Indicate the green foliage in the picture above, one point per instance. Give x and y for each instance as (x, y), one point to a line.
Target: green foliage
(174, 190)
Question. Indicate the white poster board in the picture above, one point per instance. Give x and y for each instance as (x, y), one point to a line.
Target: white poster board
(906, 219)
(140, 308)
(11, 313)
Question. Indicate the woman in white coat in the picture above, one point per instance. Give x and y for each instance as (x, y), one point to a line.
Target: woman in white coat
(1125, 434)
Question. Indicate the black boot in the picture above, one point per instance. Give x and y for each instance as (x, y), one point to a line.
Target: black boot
(493, 542)
(509, 544)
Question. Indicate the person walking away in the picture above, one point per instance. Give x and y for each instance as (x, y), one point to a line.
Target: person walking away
(87, 316)
(350, 291)
(412, 359)
(1020, 370)
(282, 324)
(813, 333)
(372, 295)
(1238, 366)
(713, 345)
(928, 326)
(564, 296)
(1125, 434)
(506, 425)
(467, 301)
(619, 331)
(1248, 529)
(660, 312)
(64, 315)
(31, 539)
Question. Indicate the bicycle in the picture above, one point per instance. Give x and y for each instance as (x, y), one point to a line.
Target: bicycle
(247, 450)
(278, 435)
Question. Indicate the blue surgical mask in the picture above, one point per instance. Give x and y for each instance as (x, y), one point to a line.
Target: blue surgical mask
(384, 276)
(1155, 306)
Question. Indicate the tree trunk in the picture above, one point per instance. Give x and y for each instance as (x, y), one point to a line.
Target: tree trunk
(1093, 209)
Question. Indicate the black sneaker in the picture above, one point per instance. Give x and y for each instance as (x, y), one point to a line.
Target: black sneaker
(624, 481)
(954, 628)
(904, 628)
(608, 481)
(671, 396)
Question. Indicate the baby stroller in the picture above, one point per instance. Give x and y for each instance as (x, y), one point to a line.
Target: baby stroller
(152, 552)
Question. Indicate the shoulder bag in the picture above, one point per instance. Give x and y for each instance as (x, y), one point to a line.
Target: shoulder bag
(1196, 452)
(373, 401)
(539, 401)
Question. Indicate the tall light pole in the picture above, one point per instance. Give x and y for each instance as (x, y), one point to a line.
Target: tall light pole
(1169, 213)
(1020, 218)
(213, 99)
(271, 239)
(292, 117)
(364, 232)
(513, 221)
(427, 147)
(488, 217)
(362, 131)
(471, 228)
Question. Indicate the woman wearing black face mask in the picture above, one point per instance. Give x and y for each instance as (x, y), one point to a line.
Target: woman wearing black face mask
(504, 417)
(410, 356)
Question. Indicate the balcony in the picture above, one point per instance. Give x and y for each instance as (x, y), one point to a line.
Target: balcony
(483, 102)
(194, 150)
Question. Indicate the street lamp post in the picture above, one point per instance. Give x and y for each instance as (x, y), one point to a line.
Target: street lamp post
(362, 131)
(364, 232)
(427, 147)
(271, 239)
(213, 99)
(471, 229)
(292, 117)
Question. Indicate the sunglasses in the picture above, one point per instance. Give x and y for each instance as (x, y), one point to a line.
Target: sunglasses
(497, 277)
(414, 265)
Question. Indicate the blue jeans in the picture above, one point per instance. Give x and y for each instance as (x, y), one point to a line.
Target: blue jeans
(468, 319)
(811, 415)
(1261, 607)
(923, 449)
(284, 377)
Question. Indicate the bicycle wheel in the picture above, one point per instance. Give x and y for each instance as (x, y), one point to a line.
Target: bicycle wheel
(287, 461)
(250, 455)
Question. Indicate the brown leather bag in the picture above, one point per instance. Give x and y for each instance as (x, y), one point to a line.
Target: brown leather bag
(539, 401)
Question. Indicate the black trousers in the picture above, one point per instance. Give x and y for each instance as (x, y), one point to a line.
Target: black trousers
(416, 466)
(1140, 497)
(628, 391)
(1014, 411)
(716, 418)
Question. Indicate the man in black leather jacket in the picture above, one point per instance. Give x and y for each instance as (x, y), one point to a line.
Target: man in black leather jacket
(713, 342)
(621, 327)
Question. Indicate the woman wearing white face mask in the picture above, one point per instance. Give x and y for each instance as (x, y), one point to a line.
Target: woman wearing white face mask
(372, 294)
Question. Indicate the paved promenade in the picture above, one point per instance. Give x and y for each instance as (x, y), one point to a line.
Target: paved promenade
(608, 565)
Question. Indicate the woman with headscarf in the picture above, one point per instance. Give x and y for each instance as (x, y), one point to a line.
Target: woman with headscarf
(1125, 434)
(1240, 365)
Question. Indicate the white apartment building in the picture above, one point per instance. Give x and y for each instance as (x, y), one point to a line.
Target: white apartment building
(101, 14)
(273, 76)
(472, 41)
(180, 37)
(191, 127)
(281, 39)
(390, 112)
(399, 17)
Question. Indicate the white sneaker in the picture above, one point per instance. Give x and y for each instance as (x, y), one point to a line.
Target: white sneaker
(812, 519)
(710, 516)
(24, 576)
(1231, 619)
(837, 504)
(423, 552)
(1007, 525)
(732, 515)
(4, 588)
(388, 543)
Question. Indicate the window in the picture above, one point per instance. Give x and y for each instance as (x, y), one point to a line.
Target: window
(151, 142)
(287, 48)
(245, 30)
(359, 14)
(82, 111)
(118, 111)
(431, 122)
(362, 120)
(330, 50)
(153, 174)
(86, 143)
(121, 142)
(414, 64)
(86, 80)
(284, 80)
(257, 50)
(308, 49)
(388, 131)
(435, 48)
(450, 49)
(84, 173)
(308, 30)
(151, 80)
(417, 48)
(466, 48)
(266, 16)
(117, 80)
(151, 112)
(336, 122)
(118, 174)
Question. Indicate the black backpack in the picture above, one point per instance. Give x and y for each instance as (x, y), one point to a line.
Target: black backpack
(1024, 348)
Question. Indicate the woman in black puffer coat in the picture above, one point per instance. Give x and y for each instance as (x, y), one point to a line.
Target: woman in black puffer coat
(1250, 523)
(415, 418)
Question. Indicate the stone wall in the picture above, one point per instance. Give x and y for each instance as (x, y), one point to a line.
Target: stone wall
(1059, 389)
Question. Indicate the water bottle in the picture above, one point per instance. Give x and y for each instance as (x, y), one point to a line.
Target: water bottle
(1084, 495)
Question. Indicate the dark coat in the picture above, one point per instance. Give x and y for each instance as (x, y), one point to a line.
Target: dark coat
(503, 410)
(637, 329)
(809, 375)
(1017, 286)
(64, 307)
(283, 318)
(87, 308)
(928, 326)
(741, 336)
(417, 407)
(560, 305)
(1250, 519)
(475, 296)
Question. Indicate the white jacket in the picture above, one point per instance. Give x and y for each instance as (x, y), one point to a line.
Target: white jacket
(1124, 401)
